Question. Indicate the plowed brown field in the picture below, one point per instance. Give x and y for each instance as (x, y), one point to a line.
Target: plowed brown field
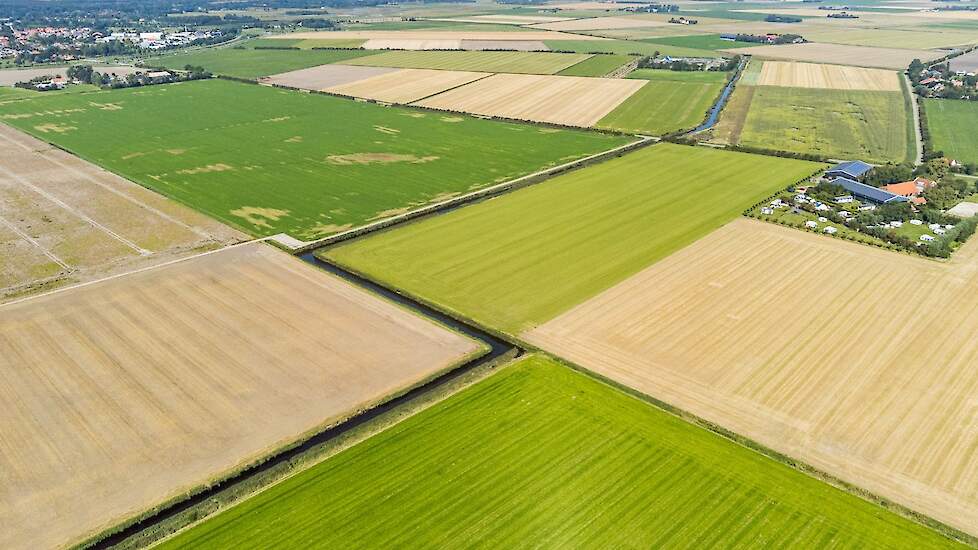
(119, 395)
(65, 220)
(569, 100)
(833, 77)
(858, 361)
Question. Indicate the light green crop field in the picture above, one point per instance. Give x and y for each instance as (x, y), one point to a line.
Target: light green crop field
(272, 161)
(542, 456)
(663, 106)
(252, 63)
(598, 65)
(953, 126)
(490, 62)
(846, 124)
(523, 258)
(626, 47)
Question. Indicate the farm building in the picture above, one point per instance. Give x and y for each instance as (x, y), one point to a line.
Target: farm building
(853, 170)
(868, 192)
(911, 189)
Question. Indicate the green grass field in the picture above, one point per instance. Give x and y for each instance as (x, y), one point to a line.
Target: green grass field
(252, 63)
(521, 259)
(490, 62)
(665, 75)
(542, 456)
(625, 47)
(711, 42)
(663, 106)
(952, 125)
(272, 161)
(846, 124)
(598, 65)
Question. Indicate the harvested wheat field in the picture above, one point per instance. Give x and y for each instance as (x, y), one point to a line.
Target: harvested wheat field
(860, 56)
(406, 85)
(325, 76)
(601, 23)
(509, 45)
(833, 77)
(65, 220)
(119, 395)
(858, 361)
(413, 44)
(568, 100)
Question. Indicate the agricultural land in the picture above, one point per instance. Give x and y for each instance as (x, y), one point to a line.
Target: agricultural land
(538, 436)
(518, 260)
(827, 110)
(253, 63)
(669, 101)
(565, 100)
(128, 392)
(598, 65)
(303, 164)
(796, 342)
(489, 62)
(64, 220)
(406, 85)
(952, 126)
(861, 56)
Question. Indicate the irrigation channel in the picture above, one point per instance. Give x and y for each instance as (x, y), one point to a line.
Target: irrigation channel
(714, 113)
(498, 347)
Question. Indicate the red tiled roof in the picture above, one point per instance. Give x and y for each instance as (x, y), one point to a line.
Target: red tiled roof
(905, 189)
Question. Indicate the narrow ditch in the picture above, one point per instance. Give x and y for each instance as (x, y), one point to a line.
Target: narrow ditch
(497, 348)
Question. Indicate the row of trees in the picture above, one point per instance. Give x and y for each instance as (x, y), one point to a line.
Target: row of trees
(87, 75)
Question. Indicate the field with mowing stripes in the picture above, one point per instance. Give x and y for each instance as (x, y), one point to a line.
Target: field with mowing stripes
(128, 392)
(252, 63)
(489, 62)
(517, 260)
(812, 346)
(307, 165)
(952, 126)
(542, 456)
(670, 101)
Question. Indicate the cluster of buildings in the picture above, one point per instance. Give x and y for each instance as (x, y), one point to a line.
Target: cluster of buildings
(158, 40)
(850, 175)
(769, 38)
(35, 40)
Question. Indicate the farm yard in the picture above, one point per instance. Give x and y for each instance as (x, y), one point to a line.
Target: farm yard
(952, 126)
(566, 100)
(554, 435)
(518, 260)
(306, 165)
(252, 63)
(795, 341)
(63, 220)
(670, 101)
(488, 62)
(167, 379)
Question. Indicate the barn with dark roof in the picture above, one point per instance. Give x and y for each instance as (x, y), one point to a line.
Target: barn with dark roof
(854, 170)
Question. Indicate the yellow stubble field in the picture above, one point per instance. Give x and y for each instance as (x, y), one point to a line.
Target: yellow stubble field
(832, 77)
(568, 100)
(121, 394)
(406, 85)
(858, 361)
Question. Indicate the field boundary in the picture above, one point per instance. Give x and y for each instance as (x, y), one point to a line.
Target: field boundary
(803, 467)
(511, 185)
(916, 132)
(494, 349)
